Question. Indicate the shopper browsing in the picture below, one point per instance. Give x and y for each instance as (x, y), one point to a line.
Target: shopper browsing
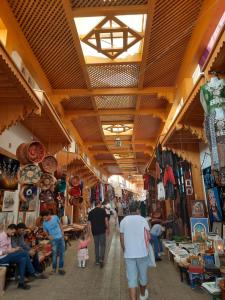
(53, 227)
(82, 254)
(156, 232)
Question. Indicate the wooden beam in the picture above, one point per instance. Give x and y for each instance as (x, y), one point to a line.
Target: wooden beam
(145, 150)
(165, 92)
(109, 10)
(112, 142)
(160, 113)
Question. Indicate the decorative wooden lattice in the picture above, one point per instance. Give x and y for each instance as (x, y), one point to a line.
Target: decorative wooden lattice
(45, 27)
(172, 27)
(113, 102)
(100, 3)
(88, 129)
(77, 103)
(116, 118)
(117, 75)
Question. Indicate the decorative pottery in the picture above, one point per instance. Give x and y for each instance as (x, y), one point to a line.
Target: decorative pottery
(47, 196)
(35, 152)
(29, 174)
(74, 181)
(49, 164)
(47, 182)
(75, 191)
(21, 154)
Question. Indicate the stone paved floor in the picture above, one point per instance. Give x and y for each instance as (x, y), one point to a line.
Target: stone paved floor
(109, 283)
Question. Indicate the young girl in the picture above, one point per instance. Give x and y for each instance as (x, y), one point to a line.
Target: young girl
(82, 254)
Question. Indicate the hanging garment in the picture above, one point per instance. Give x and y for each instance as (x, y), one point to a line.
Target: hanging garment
(212, 95)
(161, 191)
(157, 171)
(168, 175)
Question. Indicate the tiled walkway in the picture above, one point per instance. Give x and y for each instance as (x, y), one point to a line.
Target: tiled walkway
(109, 283)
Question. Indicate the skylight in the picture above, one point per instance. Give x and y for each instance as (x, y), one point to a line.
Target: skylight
(111, 37)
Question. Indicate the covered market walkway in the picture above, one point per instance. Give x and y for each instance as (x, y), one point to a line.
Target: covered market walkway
(108, 283)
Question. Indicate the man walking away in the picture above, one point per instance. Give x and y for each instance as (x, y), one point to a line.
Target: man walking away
(99, 225)
(53, 227)
(134, 238)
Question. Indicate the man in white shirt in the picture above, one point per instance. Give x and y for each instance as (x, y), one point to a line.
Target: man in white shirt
(134, 238)
(156, 232)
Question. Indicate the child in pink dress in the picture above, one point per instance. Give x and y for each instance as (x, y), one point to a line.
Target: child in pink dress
(82, 254)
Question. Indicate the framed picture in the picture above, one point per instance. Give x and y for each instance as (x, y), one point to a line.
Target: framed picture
(10, 218)
(214, 205)
(8, 201)
(30, 218)
(8, 170)
(199, 229)
(198, 208)
(28, 198)
(217, 228)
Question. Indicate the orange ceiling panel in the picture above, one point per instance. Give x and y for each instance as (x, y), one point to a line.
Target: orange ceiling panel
(152, 102)
(147, 127)
(116, 75)
(88, 129)
(100, 3)
(46, 29)
(172, 28)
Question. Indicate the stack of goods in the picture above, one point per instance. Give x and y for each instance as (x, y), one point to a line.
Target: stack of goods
(36, 174)
(29, 174)
(47, 184)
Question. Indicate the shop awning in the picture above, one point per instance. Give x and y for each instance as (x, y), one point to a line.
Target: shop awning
(17, 99)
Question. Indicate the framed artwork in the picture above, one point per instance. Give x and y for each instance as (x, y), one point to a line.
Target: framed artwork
(214, 205)
(28, 198)
(198, 208)
(199, 229)
(30, 218)
(8, 201)
(217, 228)
(8, 173)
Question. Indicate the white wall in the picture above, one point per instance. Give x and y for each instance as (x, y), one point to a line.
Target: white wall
(11, 138)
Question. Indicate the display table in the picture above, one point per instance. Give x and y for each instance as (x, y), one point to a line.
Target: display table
(212, 289)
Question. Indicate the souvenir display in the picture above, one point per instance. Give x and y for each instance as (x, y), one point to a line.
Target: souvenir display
(199, 229)
(8, 173)
(214, 205)
(30, 219)
(217, 228)
(74, 181)
(33, 152)
(49, 164)
(198, 208)
(47, 182)
(29, 174)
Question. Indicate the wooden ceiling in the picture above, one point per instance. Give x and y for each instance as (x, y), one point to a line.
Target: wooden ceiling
(114, 92)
